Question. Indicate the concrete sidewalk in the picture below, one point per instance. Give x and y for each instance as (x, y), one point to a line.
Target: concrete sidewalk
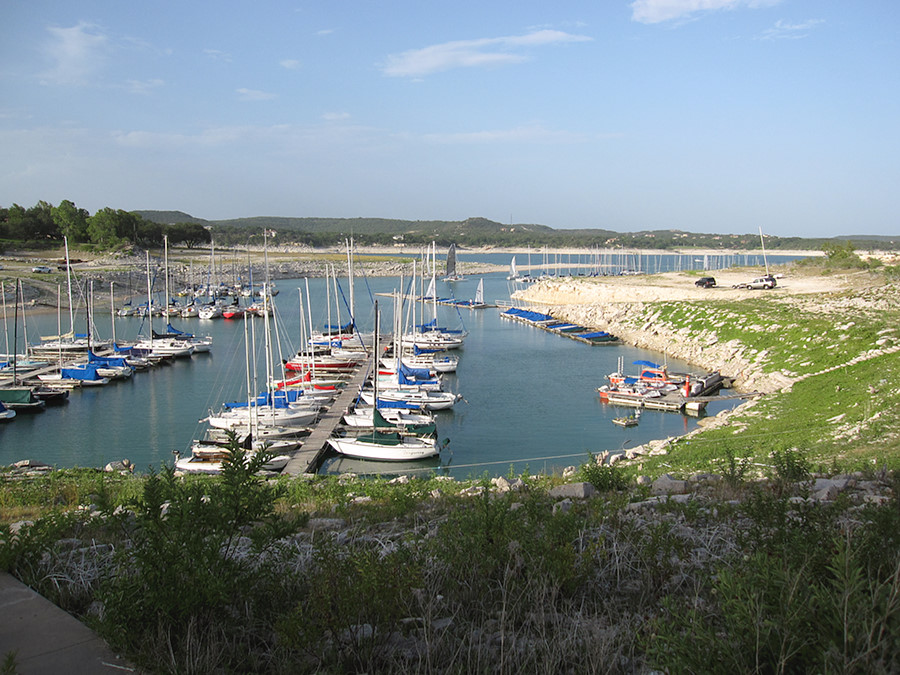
(47, 640)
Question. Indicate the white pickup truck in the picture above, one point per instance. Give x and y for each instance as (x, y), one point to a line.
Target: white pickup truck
(764, 282)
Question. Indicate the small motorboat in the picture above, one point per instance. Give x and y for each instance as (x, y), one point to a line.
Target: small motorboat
(628, 421)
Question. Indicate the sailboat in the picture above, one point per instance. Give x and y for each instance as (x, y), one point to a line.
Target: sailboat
(451, 265)
(476, 303)
(66, 346)
(428, 335)
(381, 444)
(513, 274)
(156, 347)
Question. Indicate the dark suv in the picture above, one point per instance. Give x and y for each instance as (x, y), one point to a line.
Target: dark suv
(705, 282)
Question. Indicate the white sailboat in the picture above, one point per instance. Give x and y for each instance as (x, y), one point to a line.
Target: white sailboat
(385, 445)
(160, 347)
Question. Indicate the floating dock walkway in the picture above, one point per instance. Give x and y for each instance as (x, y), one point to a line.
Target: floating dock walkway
(562, 328)
(308, 458)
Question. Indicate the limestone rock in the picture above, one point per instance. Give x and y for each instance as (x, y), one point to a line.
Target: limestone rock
(573, 491)
(562, 507)
(667, 485)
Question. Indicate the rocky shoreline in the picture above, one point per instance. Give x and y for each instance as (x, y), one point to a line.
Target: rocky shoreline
(630, 321)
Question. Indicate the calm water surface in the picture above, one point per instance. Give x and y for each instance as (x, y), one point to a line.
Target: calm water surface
(530, 397)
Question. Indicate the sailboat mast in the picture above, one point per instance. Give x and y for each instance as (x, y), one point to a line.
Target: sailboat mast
(58, 324)
(69, 283)
(15, 354)
(112, 312)
(5, 324)
(149, 300)
(350, 279)
(763, 244)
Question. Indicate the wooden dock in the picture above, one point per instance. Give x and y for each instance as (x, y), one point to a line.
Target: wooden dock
(310, 454)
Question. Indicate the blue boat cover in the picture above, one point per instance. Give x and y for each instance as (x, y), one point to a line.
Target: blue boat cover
(175, 331)
(417, 373)
(402, 405)
(403, 379)
(648, 364)
(114, 361)
(87, 371)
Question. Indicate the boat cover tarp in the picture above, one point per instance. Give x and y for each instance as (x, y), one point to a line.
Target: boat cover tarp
(416, 373)
(401, 405)
(175, 332)
(346, 328)
(528, 315)
(379, 422)
(431, 324)
(109, 361)
(648, 364)
(598, 334)
(14, 395)
(87, 371)
(417, 350)
(403, 379)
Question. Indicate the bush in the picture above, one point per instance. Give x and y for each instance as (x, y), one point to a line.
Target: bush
(604, 478)
(180, 591)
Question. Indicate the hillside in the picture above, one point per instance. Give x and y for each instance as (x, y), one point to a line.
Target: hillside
(474, 232)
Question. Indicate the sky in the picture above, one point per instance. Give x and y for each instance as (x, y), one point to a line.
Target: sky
(716, 116)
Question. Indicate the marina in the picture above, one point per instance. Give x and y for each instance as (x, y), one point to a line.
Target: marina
(527, 400)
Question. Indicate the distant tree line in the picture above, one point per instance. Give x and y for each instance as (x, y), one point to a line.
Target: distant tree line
(44, 225)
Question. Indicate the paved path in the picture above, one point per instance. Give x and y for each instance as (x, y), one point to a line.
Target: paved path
(45, 640)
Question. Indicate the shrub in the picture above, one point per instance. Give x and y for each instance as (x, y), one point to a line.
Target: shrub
(179, 590)
(604, 478)
(791, 466)
(733, 469)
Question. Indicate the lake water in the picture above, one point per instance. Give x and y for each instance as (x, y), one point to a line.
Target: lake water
(530, 396)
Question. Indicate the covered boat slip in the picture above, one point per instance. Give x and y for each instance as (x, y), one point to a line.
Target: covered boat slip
(548, 323)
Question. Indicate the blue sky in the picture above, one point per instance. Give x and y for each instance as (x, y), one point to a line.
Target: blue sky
(701, 115)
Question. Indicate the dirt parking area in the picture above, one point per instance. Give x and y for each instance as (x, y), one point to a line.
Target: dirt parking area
(681, 286)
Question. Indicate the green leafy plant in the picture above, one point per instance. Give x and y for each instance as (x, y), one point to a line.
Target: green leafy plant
(733, 469)
(604, 478)
(195, 557)
(790, 466)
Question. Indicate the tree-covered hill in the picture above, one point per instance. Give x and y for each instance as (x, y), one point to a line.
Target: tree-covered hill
(45, 225)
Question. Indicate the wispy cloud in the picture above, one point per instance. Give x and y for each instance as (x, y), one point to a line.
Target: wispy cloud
(472, 53)
(143, 86)
(325, 31)
(218, 55)
(335, 116)
(527, 133)
(254, 95)
(658, 11)
(151, 140)
(75, 53)
(290, 64)
(782, 30)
